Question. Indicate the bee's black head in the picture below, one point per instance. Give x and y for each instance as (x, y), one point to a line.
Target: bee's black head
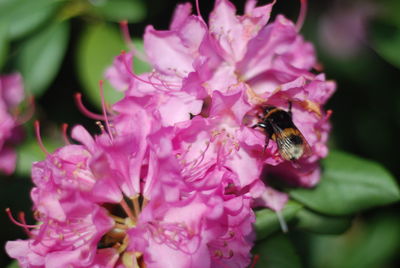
(267, 108)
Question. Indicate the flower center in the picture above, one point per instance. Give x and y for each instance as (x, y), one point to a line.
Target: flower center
(125, 216)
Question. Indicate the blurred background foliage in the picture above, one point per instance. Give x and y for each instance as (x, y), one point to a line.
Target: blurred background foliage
(63, 47)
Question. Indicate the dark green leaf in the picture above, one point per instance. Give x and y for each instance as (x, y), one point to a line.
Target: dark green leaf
(386, 41)
(276, 251)
(389, 11)
(138, 65)
(30, 152)
(3, 43)
(41, 57)
(322, 224)
(118, 10)
(98, 46)
(367, 244)
(14, 264)
(267, 221)
(349, 184)
(24, 16)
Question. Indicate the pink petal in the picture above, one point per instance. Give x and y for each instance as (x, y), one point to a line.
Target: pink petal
(8, 159)
(80, 134)
(12, 89)
(162, 46)
(227, 29)
(181, 13)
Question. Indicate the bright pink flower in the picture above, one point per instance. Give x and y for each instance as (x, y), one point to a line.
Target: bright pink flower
(78, 194)
(11, 94)
(72, 242)
(209, 229)
(172, 177)
(269, 63)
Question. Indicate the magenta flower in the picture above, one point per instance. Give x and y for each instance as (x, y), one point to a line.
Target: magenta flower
(11, 94)
(119, 198)
(173, 176)
(269, 64)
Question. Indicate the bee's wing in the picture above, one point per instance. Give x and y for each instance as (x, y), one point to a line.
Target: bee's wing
(291, 143)
(307, 148)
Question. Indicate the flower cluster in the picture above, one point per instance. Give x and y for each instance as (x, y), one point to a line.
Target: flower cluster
(172, 178)
(11, 94)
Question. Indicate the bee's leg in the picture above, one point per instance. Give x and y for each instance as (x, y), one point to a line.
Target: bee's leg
(290, 109)
(261, 125)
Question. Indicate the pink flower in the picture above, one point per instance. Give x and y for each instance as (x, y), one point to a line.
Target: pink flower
(343, 30)
(71, 242)
(269, 63)
(11, 94)
(90, 198)
(217, 234)
(173, 176)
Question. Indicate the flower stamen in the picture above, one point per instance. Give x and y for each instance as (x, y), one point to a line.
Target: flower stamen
(198, 10)
(103, 106)
(39, 138)
(128, 69)
(127, 210)
(84, 110)
(136, 206)
(302, 15)
(64, 129)
(128, 40)
(22, 218)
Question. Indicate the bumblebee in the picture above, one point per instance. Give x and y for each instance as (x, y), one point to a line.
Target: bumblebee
(278, 125)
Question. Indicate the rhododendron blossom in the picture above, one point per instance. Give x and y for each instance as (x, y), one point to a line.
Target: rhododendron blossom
(11, 94)
(174, 175)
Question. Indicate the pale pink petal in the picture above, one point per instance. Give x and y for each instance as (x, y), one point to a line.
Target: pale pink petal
(8, 159)
(271, 41)
(181, 13)
(80, 134)
(179, 108)
(192, 34)
(12, 89)
(272, 199)
(227, 29)
(162, 46)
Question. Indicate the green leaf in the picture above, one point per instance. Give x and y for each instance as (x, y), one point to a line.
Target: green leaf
(386, 41)
(138, 65)
(30, 152)
(24, 16)
(118, 10)
(389, 11)
(276, 251)
(367, 244)
(317, 223)
(3, 43)
(267, 221)
(349, 184)
(41, 57)
(98, 47)
(14, 264)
